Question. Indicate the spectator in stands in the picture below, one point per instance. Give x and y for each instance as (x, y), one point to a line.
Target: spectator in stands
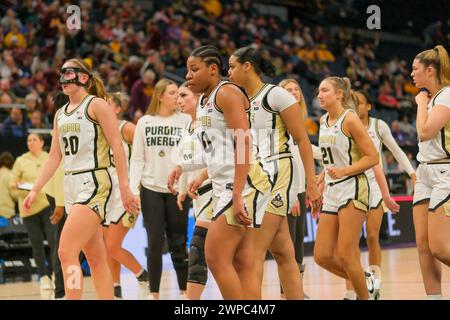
(6, 96)
(399, 136)
(16, 125)
(142, 91)
(22, 88)
(10, 18)
(130, 72)
(15, 38)
(31, 103)
(37, 121)
(7, 196)
(409, 129)
(37, 220)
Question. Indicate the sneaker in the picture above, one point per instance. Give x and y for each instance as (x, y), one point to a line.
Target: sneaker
(370, 281)
(46, 283)
(376, 272)
(118, 293)
(144, 289)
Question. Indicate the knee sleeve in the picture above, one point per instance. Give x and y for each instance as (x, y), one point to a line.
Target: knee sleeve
(178, 252)
(198, 271)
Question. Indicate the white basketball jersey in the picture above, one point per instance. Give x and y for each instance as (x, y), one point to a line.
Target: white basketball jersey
(374, 135)
(218, 142)
(191, 150)
(81, 139)
(338, 150)
(126, 147)
(267, 126)
(438, 147)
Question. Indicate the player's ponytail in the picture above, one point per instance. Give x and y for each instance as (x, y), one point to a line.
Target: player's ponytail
(260, 64)
(438, 59)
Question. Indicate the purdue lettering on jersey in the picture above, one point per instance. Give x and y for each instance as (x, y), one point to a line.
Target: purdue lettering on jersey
(267, 126)
(338, 150)
(438, 147)
(81, 139)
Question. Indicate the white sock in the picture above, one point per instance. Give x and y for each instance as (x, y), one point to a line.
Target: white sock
(139, 273)
(116, 284)
(350, 295)
(434, 297)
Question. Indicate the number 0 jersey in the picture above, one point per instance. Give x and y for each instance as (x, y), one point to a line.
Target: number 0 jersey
(338, 150)
(218, 147)
(81, 139)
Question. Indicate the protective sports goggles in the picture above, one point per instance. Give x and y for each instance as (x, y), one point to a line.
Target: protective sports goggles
(70, 75)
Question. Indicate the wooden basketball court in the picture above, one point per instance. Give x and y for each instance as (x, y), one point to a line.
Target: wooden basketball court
(401, 281)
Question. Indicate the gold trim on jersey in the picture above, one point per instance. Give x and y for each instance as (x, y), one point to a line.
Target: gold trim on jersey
(279, 198)
(101, 148)
(361, 200)
(353, 152)
(86, 113)
(282, 143)
(259, 92)
(101, 194)
(445, 138)
(335, 121)
(76, 108)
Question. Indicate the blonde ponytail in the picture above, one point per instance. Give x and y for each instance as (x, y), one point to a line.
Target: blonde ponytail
(96, 87)
(439, 59)
(444, 70)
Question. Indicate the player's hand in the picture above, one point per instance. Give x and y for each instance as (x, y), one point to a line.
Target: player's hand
(173, 178)
(422, 98)
(131, 202)
(57, 215)
(194, 185)
(335, 173)
(391, 204)
(29, 200)
(314, 199)
(240, 211)
(180, 199)
(295, 212)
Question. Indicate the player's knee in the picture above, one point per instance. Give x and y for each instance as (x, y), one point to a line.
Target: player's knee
(198, 270)
(372, 238)
(440, 252)
(323, 259)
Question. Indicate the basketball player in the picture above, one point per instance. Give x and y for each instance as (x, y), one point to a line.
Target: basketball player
(84, 130)
(380, 200)
(240, 185)
(431, 71)
(192, 156)
(119, 221)
(347, 152)
(274, 111)
(155, 147)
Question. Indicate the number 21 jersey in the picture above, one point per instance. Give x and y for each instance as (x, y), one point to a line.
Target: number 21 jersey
(338, 150)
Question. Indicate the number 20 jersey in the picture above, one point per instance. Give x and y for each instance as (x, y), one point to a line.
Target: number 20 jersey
(338, 150)
(81, 139)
